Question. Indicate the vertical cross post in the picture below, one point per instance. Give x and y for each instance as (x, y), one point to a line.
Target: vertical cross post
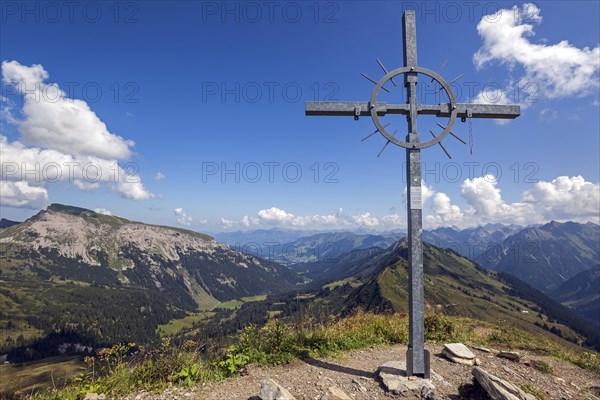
(417, 358)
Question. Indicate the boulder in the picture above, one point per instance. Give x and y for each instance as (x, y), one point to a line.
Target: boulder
(393, 376)
(499, 389)
(459, 353)
(271, 390)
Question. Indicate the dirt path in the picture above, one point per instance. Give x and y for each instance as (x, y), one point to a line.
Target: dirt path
(355, 374)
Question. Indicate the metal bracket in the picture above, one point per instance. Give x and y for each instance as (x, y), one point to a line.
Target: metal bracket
(357, 110)
(469, 113)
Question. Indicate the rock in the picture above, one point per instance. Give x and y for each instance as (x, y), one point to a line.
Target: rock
(94, 396)
(459, 353)
(394, 379)
(271, 390)
(499, 389)
(484, 349)
(459, 350)
(360, 386)
(510, 355)
(335, 393)
(477, 361)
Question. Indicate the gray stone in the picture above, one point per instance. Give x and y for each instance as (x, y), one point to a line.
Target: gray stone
(499, 389)
(510, 355)
(271, 390)
(459, 353)
(459, 350)
(484, 349)
(394, 378)
(360, 386)
(335, 393)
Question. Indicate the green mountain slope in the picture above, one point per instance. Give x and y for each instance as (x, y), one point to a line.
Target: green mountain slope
(117, 279)
(548, 255)
(456, 286)
(582, 293)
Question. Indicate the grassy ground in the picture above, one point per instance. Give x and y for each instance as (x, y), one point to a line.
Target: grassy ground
(276, 343)
(44, 374)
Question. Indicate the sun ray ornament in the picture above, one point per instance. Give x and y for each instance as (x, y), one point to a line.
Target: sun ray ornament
(417, 357)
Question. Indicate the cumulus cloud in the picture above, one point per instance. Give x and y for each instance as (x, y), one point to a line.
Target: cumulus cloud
(159, 176)
(562, 199)
(54, 121)
(275, 216)
(102, 211)
(485, 203)
(551, 70)
(182, 217)
(566, 198)
(62, 140)
(22, 194)
(443, 212)
(44, 166)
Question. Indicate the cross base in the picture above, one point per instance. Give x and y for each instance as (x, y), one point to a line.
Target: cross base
(409, 364)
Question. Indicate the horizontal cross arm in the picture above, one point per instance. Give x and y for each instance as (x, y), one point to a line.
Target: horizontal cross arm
(467, 110)
(464, 110)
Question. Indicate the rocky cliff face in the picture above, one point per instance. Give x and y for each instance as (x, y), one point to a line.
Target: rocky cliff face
(76, 244)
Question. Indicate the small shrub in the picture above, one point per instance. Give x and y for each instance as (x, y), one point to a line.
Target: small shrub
(438, 328)
(527, 388)
(543, 367)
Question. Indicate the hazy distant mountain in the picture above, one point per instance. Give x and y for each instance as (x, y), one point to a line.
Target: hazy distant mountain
(67, 251)
(316, 247)
(582, 293)
(262, 237)
(7, 223)
(470, 242)
(548, 255)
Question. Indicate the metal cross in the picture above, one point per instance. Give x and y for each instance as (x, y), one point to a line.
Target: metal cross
(417, 358)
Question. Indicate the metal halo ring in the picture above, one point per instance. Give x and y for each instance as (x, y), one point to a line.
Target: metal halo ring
(402, 143)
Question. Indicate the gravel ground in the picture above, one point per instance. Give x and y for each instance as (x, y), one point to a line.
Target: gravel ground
(355, 374)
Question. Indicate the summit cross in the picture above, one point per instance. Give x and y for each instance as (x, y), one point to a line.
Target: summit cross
(417, 357)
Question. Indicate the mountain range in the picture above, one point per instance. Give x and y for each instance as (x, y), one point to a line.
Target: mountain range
(69, 259)
(115, 279)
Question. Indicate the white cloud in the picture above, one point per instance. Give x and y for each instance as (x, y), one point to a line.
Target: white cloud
(102, 211)
(22, 194)
(561, 199)
(566, 198)
(485, 203)
(67, 141)
(275, 216)
(549, 70)
(443, 212)
(54, 121)
(159, 176)
(596, 103)
(182, 217)
(366, 220)
(42, 167)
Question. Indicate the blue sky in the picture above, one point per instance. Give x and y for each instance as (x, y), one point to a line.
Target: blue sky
(179, 93)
